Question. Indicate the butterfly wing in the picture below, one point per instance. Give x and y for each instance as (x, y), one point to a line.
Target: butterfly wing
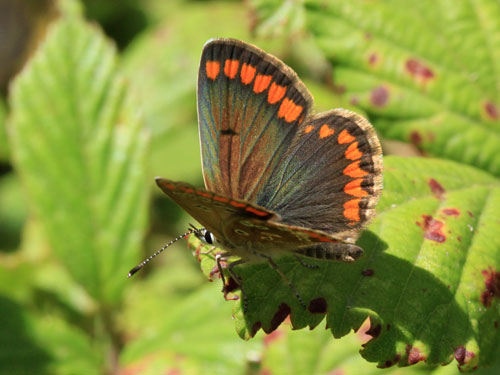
(235, 223)
(250, 106)
(331, 177)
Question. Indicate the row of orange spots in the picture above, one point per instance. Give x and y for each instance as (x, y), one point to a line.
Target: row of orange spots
(288, 109)
(351, 207)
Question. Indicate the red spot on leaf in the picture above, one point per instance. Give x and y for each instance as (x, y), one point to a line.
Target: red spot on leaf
(173, 371)
(379, 96)
(337, 371)
(491, 110)
(462, 355)
(492, 284)
(372, 59)
(451, 212)
(368, 272)
(318, 306)
(273, 336)
(414, 355)
(419, 70)
(280, 315)
(432, 228)
(436, 188)
(415, 138)
(354, 100)
(265, 371)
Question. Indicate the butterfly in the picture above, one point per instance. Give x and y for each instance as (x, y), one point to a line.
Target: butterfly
(279, 179)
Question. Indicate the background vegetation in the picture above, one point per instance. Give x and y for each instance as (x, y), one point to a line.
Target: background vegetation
(99, 97)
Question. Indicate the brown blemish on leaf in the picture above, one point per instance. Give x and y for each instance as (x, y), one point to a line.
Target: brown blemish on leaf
(318, 306)
(436, 188)
(451, 212)
(255, 328)
(354, 100)
(374, 331)
(379, 96)
(367, 35)
(280, 315)
(495, 324)
(470, 213)
(368, 272)
(390, 363)
(231, 285)
(432, 228)
(415, 138)
(459, 238)
(414, 355)
(491, 110)
(462, 355)
(492, 286)
(418, 70)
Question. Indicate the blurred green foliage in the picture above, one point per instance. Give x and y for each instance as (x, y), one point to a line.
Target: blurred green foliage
(107, 100)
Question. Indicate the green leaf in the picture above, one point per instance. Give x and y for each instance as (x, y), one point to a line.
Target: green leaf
(33, 344)
(80, 151)
(426, 73)
(192, 337)
(429, 278)
(4, 151)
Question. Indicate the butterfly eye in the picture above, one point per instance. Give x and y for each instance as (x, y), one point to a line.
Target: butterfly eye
(209, 238)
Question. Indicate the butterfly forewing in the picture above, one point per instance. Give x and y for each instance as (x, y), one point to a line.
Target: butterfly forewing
(250, 106)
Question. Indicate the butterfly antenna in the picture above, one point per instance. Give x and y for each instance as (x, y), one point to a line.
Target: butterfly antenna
(147, 260)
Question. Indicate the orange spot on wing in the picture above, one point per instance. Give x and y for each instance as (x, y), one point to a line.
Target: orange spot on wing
(309, 128)
(345, 137)
(289, 110)
(186, 189)
(354, 188)
(212, 68)
(352, 152)
(351, 210)
(261, 83)
(169, 186)
(276, 92)
(204, 194)
(255, 211)
(325, 131)
(221, 199)
(353, 170)
(237, 204)
(247, 73)
(231, 68)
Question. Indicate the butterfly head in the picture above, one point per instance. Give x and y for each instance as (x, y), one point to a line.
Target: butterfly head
(205, 236)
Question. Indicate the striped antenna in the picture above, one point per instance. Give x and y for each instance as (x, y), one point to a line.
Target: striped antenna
(146, 261)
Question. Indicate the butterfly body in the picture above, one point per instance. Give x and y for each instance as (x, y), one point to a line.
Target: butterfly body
(279, 179)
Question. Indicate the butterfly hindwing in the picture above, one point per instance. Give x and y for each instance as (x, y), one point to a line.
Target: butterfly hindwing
(331, 177)
(250, 106)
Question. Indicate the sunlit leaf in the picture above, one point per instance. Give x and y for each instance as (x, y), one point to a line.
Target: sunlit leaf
(429, 278)
(80, 151)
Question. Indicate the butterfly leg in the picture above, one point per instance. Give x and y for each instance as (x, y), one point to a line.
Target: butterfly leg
(239, 282)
